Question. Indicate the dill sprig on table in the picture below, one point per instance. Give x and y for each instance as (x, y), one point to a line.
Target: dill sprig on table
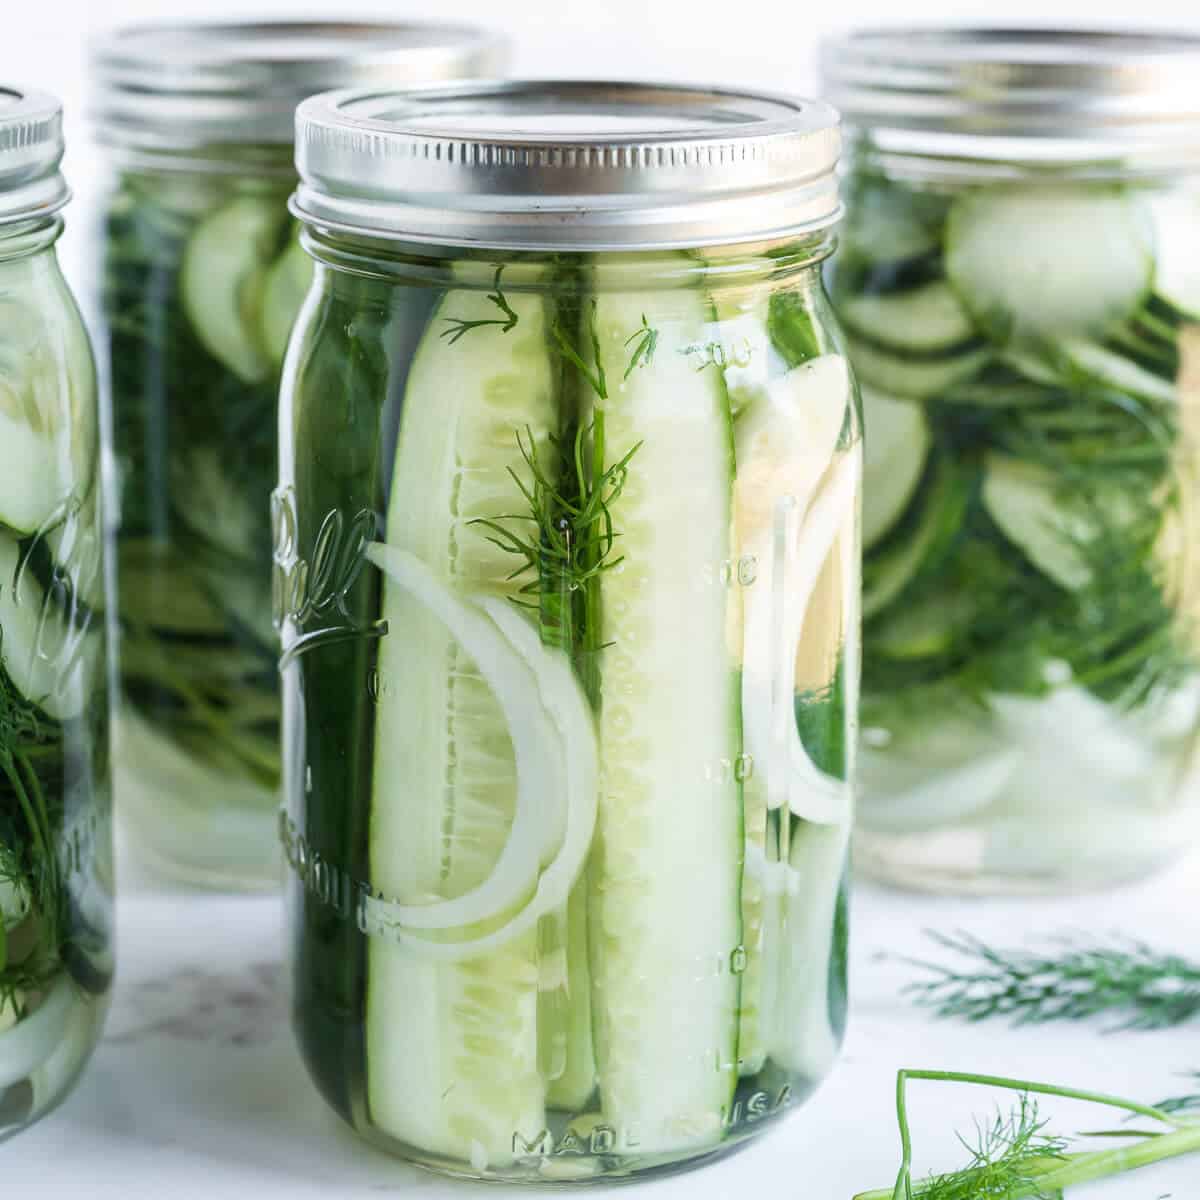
(1016, 1158)
(1067, 978)
(1009, 1151)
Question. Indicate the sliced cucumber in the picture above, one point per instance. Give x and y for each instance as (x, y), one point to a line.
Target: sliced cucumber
(452, 1046)
(664, 902)
(932, 774)
(1050, 260)
(1177, 260)
(222, 277)
(916, 378)
(28, 1044)
(890, 224)
(51, 660)
(786, 444)
(889, 571)
(44, 375)
(284, 288)
(1117, 372)
(1027, 504)
(924, 320)
(925, 630)
(896, 444)
(804, 1039)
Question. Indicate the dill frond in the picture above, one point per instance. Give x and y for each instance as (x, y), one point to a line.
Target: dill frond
(459, 328)
(1068, 978)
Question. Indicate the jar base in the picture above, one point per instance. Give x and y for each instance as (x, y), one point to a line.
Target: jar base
(561, 1166)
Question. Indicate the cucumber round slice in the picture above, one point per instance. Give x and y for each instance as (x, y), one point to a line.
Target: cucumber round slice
(888, 572)
(286, 284)
(51, 662)
(896, 443)
(916, 378)
(26, 1046)
(1023, 501)
(889, 224)
(35, 428)
(1046, 261)
(922, 320)
(922, 631)
(222, 279)
(934, 773)
(1114, 371)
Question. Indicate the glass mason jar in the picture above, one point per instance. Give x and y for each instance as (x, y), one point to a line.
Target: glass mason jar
(202, 279)
(567, 571)
(1019, 276)
(55, 831)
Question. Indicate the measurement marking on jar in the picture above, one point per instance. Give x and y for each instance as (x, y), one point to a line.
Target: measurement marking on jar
(742, 571)
(727, 770)
(739, 353)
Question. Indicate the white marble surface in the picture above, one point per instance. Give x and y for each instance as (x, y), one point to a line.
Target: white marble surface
(196, 1090)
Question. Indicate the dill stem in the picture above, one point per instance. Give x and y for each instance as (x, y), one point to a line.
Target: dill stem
(592, 616)
(1099, 1164)
(1076, 1168)
(12, 770)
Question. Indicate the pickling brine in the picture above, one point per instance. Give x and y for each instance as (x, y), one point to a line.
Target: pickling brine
(202, 279)
(566, 554)
(55, 849)
(1021, 305)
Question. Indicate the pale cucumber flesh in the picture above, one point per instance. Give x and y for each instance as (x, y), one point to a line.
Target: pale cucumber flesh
(452, 1048)
(664, 912)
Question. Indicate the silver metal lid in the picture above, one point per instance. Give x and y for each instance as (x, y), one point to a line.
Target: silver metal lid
(31, 148)
(191, 86)
(577, 165)
(1100, 86)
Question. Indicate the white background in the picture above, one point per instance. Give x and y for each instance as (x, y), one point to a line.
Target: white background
(174, 1109)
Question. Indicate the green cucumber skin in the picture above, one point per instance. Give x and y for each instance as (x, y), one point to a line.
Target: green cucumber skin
(329, 683)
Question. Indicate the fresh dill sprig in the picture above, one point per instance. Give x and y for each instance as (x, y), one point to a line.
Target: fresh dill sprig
(571, 535)
(594, 372)
(1067, 978)
(1016, 1158)
(1008, 1152)
(460, 328)
(30, 860)
(643, 352)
